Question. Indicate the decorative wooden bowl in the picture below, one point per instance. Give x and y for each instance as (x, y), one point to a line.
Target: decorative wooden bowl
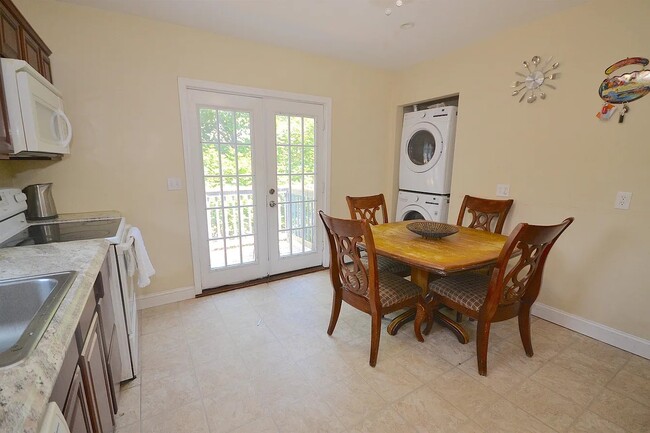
(432, 230)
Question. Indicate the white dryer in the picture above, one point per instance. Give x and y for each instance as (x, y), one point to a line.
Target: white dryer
(427, 150)
(421, 206)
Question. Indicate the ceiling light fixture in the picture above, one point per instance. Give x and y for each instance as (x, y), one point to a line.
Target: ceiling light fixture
(398, 3)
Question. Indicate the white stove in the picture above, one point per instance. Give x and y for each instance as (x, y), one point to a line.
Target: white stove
(17, 231)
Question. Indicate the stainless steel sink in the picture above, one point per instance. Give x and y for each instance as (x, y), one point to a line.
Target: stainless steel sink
(27, 305)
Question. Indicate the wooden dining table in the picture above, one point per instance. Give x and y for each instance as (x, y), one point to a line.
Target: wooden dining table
(433, 258)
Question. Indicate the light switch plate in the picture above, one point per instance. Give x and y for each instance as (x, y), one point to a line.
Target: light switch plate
(623, 200)
(503, 190)
(174, 184)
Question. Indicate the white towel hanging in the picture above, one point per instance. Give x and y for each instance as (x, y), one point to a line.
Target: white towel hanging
(142, 262)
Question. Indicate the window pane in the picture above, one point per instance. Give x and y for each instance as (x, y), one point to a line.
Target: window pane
(215, 223)
(226, 126)
(309, 131)
(233, 251)
(228, 160)
(309, 239)
(244, 160)
(296, 215)
(247, 220)
(309, 214)
(243, 121)
(295, 128)
(213, 191)
(283, 159)
(296, 188)
(296, 243)
(309, 187)
(281, 129)
(284, 215)
(232, 221)
(230, 191)
(283, 189)
(285, 243)
(248, 249)
(211, 166)
(208, 124)
(245, 190)
(309, 160)
(296, 160)
(217, 254)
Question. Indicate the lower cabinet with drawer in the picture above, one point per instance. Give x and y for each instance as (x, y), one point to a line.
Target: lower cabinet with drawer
(85, 388)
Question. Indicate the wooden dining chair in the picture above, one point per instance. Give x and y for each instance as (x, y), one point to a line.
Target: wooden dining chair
(508, 292)
(363, 286)
(486, 214)
(369, 208)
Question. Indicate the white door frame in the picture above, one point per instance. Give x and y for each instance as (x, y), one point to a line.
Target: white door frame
(186, 84)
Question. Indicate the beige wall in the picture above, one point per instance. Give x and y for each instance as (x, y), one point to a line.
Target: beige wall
(118, 75)
(557, 157)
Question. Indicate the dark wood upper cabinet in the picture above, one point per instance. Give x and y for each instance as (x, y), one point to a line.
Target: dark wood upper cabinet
(31, 52)
(9, 33)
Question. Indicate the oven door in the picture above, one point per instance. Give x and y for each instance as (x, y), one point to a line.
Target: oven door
(125, 320)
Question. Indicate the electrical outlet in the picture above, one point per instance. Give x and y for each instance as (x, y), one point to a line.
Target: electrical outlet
(503, 190)
(174, 184)
(623, 200)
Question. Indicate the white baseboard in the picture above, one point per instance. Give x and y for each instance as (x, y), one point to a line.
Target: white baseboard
(166, 297)
(611, 336)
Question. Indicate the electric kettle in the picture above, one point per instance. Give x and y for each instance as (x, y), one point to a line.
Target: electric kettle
(40, 204)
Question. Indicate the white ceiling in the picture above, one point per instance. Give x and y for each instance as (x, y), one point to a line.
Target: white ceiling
(356, 30)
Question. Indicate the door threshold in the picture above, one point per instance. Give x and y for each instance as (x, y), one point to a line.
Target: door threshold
(269, 279)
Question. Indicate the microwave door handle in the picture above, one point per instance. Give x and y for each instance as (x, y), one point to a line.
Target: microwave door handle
(58, 114)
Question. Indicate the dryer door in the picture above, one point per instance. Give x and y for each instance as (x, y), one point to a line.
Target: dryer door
(423, 147)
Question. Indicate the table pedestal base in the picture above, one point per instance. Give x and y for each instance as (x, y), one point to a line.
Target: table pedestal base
(445, 321)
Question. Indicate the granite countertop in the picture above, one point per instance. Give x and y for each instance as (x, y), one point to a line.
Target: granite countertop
(25, 388)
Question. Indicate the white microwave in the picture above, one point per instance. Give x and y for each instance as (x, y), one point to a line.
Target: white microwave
(37, 124)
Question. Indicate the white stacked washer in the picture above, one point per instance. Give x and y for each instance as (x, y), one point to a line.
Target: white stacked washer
(426, 162)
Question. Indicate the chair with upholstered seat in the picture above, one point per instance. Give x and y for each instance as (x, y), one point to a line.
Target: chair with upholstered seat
(508, 292)
(486, 214)
(364, 287)
(369, 208)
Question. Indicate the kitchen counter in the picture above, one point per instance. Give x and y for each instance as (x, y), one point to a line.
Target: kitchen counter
(25, 388)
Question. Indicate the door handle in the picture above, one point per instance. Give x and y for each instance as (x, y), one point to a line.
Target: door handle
(272, 203)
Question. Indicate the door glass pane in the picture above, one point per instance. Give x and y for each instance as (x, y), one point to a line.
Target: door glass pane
(296, 191)
(217, 253)
(309, 239)
(243, 126)
(229, 178)
(233, 251)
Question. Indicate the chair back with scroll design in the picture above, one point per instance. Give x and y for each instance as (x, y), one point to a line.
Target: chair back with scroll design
(347, 270)
(361, 286)
(509, 291)
(368, 208)
(486, 214)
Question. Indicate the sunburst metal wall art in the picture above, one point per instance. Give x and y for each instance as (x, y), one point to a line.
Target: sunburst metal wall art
(537, 74)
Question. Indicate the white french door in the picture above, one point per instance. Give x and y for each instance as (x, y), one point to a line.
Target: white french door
(256, 175)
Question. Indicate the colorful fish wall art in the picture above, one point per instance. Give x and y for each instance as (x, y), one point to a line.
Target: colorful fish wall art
(624, 88)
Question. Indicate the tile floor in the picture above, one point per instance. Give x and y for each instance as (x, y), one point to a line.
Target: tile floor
(260, 360)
